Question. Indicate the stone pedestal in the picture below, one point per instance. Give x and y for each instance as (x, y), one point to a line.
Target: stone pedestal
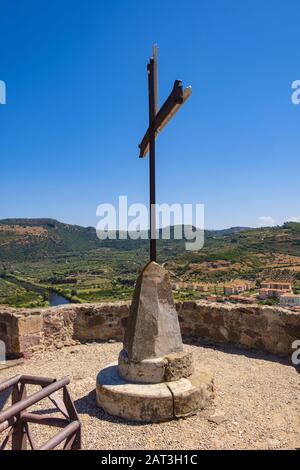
(154, 379)
(152, 402)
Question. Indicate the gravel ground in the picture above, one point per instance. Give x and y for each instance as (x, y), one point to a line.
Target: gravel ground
(257, 402)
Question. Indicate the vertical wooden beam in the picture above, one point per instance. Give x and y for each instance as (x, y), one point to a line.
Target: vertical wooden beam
(153, 107)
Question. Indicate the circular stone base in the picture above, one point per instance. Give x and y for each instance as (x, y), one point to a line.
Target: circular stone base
(152, 402)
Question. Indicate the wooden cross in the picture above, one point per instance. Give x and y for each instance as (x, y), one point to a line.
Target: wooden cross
(158, 118)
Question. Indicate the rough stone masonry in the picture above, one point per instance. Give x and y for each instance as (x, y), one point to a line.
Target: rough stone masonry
(265, 328)
(154, 379)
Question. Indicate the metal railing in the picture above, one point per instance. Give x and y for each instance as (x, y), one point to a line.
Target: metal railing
(16, 418)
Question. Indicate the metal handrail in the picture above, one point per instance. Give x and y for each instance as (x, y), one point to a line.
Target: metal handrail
(18, 419)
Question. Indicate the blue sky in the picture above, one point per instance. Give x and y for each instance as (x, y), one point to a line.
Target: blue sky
(77, 107)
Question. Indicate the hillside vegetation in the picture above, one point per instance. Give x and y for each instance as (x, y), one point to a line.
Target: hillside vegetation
(71, 260)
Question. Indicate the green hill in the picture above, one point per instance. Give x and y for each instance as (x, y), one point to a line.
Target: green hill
(23, 239)
(47, 254)
(37, 239)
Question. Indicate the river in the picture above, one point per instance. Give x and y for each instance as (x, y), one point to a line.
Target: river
(57, 299)
(54, 298)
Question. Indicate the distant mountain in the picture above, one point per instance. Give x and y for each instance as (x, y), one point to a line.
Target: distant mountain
(39, 238)
(36, 239)
(227, 231)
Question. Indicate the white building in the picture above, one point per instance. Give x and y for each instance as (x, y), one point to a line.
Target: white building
(290, 300)
(237, 287)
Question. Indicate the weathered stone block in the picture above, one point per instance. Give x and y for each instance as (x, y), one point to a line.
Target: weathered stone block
(192, 394)
(30, 324)
(146, 371)
(174, 366)
(28, 343)
(153, 328)
(178, 365)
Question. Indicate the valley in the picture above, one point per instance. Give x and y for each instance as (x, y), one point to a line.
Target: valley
(43, 256)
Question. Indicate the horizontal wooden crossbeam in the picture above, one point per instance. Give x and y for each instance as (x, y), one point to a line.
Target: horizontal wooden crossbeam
(176, 98)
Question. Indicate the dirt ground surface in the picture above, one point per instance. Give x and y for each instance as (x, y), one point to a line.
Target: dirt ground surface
(256, 405)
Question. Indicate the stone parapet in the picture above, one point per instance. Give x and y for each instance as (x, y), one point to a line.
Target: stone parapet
(264, 328)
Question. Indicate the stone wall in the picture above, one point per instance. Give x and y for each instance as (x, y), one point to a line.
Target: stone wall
(271, 329)
(25, 331)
